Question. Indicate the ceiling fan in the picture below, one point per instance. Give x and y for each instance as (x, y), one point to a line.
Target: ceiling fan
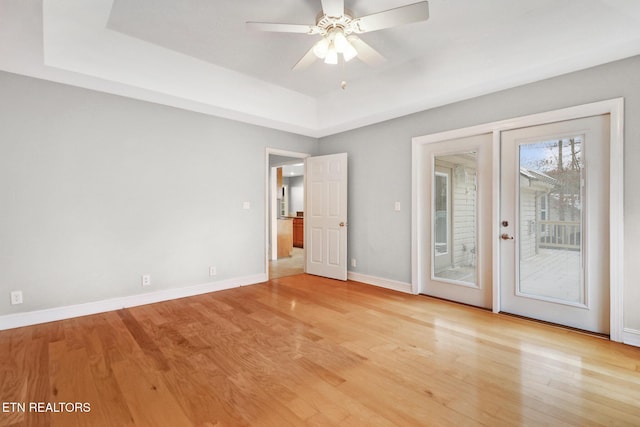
(338, 28)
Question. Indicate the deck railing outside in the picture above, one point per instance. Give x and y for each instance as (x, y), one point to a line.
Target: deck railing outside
(559, 234)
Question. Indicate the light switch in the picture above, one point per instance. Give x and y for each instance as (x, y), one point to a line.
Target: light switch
(246, 205)
(397, 206)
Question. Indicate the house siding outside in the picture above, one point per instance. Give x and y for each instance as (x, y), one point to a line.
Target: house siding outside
(464, 200)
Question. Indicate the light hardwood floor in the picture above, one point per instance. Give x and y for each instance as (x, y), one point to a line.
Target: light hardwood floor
(307, 351)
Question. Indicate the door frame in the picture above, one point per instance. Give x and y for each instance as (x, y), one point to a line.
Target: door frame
(613, 107)
(270, 208)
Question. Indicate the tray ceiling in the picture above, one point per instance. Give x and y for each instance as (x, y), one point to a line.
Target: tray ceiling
(198, 55)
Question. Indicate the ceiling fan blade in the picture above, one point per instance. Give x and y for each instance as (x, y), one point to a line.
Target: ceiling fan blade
(393, 17)
(283, 28)
(308, 59)
(333, 8)
(366, 53)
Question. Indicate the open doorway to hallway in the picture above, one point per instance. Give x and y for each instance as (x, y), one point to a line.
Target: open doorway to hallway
(287, 266)
(286, 214)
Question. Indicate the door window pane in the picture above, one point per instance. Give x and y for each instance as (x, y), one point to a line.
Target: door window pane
(550, 219)
(455, 218)
(441, 203)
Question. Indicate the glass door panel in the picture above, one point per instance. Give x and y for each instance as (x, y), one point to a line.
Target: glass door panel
(550, 220)
(455, 218)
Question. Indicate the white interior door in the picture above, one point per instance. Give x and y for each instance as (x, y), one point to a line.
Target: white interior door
(456, 220)
(326, 216)
(555, 223)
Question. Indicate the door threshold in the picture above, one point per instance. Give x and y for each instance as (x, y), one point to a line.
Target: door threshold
(558, 325)
(455, 302)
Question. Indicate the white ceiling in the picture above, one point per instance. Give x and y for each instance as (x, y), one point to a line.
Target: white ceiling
(198, 55)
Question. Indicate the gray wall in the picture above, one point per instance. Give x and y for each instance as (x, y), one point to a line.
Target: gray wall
(96, 190)
(380, 165)
(296, 194)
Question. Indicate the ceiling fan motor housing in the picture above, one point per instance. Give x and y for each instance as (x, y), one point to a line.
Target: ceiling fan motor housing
(326, 22)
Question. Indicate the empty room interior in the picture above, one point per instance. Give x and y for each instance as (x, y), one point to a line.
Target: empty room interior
(319, 213)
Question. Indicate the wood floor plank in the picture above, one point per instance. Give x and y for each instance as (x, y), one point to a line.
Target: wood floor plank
(36, 369)
(147, 396)
(205, 398)
(308, 351)
(111, 400)
(13, 375)
(71, 382)
(146, 344)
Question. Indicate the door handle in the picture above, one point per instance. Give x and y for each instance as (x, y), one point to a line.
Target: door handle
(505, 236)
(342, 224)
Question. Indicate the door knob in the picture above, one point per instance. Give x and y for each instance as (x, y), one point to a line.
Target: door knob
(505, 236)
(342, 224)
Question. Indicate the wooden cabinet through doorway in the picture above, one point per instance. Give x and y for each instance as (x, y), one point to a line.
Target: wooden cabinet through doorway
(298, 232)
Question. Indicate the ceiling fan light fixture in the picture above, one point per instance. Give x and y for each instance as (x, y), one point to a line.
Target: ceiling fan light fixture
(332, 55)
(340, 41)
(349, 52)
(321, 48)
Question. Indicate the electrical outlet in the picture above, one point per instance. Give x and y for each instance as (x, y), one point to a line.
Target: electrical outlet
(146, 280)
(16, 297)
(213, 271)
(353, 262)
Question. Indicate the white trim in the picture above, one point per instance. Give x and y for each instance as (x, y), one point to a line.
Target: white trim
(495, 212)
(272, 208)
(416, 214)
(381, 282)
(267, 203)
(18, 320)
(631, 337)
(616, 219)
(613, 107)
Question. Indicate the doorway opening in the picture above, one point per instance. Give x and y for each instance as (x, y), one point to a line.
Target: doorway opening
(285, 254)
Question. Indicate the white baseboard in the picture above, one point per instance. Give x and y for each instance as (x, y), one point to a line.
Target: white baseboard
(17, 320)
(379, 281)
(631, 337)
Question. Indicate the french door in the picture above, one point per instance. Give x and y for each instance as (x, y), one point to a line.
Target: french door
(554, 222)
(457, 220)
